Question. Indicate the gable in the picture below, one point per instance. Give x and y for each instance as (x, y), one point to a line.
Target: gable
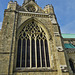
(32, 3)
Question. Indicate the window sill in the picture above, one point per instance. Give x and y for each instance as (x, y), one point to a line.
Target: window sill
(35, 70)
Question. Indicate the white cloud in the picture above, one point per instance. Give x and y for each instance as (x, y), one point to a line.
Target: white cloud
(69, 28)
(0, 25)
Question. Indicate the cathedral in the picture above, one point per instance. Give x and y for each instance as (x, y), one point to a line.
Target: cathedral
(31, 42)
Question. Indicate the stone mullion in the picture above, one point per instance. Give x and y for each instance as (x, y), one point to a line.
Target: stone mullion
(35, 53)
(21, 53)
(44, 53)
(40, 52)
(25, 52)
(30, 52)
(50, 53)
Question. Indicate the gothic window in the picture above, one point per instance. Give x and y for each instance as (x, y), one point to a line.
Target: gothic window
(32, 49)
(31, 8)
(72, 65)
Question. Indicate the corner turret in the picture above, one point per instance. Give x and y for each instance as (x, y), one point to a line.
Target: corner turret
(48, 9)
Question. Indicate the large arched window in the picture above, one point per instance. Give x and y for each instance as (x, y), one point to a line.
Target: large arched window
(72, 65)
(32, 49)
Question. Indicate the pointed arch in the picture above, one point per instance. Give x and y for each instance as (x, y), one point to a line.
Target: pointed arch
(38, 22)
(34, 47)
(72, 65)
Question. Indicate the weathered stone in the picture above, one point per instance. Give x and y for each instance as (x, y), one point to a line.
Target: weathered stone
(15, 18)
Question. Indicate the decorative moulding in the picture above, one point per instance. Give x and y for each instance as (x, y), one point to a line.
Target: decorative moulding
(56, 33)
(70, 50)
(34, 14)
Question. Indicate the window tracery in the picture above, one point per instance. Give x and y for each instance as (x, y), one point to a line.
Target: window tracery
(32, 49)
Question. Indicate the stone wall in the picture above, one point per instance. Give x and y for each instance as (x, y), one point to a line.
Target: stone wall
(6, 41)
(13, 21)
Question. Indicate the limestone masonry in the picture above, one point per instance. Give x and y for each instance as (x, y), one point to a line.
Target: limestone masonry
(31, 42)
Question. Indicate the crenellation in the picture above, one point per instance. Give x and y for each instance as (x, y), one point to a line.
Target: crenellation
(12, 5)
(49, 9)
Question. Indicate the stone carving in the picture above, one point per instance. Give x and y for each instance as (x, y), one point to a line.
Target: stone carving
(60, 49)
(64, 68)
(31, 8)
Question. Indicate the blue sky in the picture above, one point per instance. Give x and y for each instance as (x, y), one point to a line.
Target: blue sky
(64, 10)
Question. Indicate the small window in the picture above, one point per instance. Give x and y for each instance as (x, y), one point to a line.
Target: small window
(72, 65)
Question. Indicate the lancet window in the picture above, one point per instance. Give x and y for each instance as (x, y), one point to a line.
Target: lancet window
(72, 65)
(32, 48)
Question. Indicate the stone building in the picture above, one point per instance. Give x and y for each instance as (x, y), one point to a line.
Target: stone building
(31, 42)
